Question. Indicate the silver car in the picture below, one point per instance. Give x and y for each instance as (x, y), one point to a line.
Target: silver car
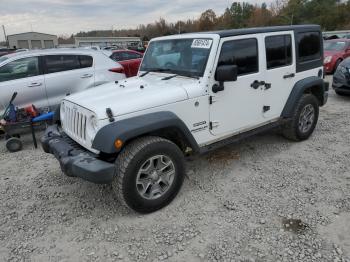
(44, 77)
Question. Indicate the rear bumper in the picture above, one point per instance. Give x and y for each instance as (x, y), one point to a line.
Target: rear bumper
(74, 160)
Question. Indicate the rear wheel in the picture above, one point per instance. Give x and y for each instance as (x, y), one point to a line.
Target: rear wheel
(304, 119)
(150, 173)
(14, 144)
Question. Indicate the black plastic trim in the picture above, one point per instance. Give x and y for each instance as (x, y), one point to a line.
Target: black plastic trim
(130, 128)
(299, 89)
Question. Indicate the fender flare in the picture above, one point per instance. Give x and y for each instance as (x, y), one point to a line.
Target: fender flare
(133, 127)
(299, 89)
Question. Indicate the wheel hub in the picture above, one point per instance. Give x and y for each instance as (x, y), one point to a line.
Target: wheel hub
(155, 177)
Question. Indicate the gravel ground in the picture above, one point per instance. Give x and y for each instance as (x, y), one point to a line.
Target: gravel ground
(266, 199)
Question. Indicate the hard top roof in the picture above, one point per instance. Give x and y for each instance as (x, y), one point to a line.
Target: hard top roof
(259, 30)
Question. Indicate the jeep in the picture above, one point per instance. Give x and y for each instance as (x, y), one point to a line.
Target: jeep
(193, 93)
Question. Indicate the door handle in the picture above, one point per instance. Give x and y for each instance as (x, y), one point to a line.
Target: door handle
(34, 84)
(289, 76)
(86, 76)
(256, 84)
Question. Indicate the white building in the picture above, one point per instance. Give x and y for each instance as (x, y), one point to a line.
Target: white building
(32, 40)
(107, 41)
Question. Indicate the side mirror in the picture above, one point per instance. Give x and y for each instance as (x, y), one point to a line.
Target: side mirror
(224, 73)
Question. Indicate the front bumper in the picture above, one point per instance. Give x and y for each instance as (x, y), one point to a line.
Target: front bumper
(341, 82)
(74, 160)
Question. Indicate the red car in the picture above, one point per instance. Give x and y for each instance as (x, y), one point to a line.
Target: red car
(335, 51)
(129, 59)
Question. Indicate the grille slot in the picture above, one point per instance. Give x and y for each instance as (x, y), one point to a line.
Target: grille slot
(75, 121)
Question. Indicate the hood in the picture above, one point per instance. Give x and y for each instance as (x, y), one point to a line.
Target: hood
(132, 94)
(331, 53)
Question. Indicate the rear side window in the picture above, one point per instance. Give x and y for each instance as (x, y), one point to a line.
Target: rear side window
(21, 68)
(60, 63)
(309, 46)
(278, 51)
(85, 61)
(243, 53)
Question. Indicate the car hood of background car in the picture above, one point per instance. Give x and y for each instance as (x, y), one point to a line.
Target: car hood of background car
(331, 53)
(133, 94)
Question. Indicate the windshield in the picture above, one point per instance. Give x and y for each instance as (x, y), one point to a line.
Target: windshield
(334, 46)
(187, 57)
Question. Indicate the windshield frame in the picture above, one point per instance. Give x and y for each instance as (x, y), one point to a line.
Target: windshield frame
(174, 70)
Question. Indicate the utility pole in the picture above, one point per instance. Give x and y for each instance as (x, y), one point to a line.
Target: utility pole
(3, 28)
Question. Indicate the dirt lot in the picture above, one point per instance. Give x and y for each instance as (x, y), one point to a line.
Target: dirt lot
(266, 199)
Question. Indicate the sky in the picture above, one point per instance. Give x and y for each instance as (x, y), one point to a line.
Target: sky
(64, 17)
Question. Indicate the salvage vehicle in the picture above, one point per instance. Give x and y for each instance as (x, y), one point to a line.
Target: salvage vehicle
(226, 86)
(341, 78)
(44, 77)
(335, 51)
(129, 59)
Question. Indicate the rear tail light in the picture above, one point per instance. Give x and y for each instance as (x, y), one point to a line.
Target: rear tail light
(119, 70)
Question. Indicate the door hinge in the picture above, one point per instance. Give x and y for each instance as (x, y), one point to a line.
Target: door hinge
(211, 100)
(266, 108)
(213, 124)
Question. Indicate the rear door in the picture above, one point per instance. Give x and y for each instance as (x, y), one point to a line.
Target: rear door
(122, 58)
(66, 74)
(280, 70)
(25, 77)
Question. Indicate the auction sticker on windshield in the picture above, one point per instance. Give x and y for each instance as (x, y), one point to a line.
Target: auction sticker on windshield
(201, 43)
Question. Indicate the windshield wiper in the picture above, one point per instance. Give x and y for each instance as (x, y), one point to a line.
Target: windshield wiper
(154, 70)
(170, 77)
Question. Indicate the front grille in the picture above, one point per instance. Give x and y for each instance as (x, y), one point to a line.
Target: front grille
(74, 122)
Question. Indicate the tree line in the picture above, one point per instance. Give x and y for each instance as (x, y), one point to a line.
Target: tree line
(330, 14)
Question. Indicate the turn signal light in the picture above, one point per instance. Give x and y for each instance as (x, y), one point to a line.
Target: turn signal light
(118, 144)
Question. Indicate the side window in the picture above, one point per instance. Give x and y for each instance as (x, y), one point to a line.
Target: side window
(278, 51)
(243, 53)
(309, 46)
(59, 63)
(21, 68)
(85, 61)
(117, 56)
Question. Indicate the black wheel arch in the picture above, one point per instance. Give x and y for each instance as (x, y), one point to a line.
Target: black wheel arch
(164, 124)
(310, 85)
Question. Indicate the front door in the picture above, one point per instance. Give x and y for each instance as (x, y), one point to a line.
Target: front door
(24, 77)
(280, 71)
(239, 106)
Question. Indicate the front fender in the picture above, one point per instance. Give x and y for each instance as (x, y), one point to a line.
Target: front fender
(133, 127)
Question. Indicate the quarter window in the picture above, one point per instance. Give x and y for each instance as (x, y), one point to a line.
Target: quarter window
(59, 63)
(278, 51)
(85, 61)
(309, 46)
(243, 53)
(21, 68)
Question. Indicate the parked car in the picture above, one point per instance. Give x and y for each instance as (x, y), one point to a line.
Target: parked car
(226, 86)
(335, 51)
(44, 77)
(129, 59)
(5, 51)
(341, 78)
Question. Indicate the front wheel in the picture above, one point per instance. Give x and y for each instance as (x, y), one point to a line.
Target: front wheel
(150, 173)
(304, 119)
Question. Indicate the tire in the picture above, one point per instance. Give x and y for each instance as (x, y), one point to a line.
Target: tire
(299, 129)
(135, 171)
(14, 144)
(340, 93)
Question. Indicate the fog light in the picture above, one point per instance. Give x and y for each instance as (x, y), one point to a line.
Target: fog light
(118, 144)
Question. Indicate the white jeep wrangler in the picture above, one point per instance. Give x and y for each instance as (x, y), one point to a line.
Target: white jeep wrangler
(194, 92)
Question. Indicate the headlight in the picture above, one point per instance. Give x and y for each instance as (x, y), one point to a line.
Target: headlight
(94, 122)
(62, 111)
(327, 59)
